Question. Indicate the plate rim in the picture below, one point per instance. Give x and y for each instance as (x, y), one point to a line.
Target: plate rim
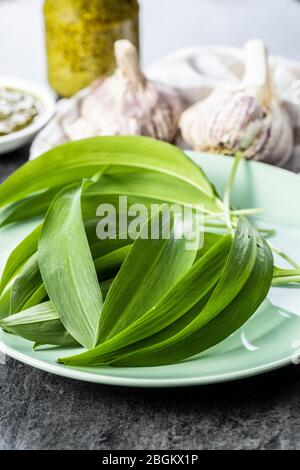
(83, 376)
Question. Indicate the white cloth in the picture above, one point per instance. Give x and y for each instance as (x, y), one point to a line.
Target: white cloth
(196, 72)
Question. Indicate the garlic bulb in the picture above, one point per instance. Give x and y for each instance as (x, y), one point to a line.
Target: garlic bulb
(127, 104)
(250, 119)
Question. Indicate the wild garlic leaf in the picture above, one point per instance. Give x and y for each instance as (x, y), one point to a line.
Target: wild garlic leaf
(30, 207)
(150, 270)
(39, 324)
(38, 296)
(238, 268)
(67, 268)
(210, 240)
(5, 303)
(74, 161)
(209, 329)
(285, 276)
(108, 266)
(189, 291)
(140, 186)
(149, 186)
(224, 311)
(28, 287)
(19, 256)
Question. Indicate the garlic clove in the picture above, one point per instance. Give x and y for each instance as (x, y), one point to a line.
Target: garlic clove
(128, 104)
(80, 127)
(279, 146)
(257, 78)
(222, 123)
(128, 64)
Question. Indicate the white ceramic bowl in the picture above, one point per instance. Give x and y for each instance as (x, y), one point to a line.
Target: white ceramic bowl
(17, 139)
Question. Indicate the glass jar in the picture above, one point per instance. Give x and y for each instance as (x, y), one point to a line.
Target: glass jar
(80, 35)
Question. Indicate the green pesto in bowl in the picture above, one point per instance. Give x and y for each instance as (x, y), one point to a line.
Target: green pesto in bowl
(18, 110)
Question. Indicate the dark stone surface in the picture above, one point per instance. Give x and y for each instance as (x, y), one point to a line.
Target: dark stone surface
(10, 161)
(42, 411)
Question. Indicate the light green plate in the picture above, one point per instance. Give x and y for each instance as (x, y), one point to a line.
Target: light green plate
(270, 339)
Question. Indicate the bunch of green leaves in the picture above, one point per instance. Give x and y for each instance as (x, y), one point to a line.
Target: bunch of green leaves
(151, 302)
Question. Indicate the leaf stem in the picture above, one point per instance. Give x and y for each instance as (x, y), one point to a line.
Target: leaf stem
(285, 280)
(238, 212)
(284, 256)
(228, 191)
(254, 211)
(264, 231)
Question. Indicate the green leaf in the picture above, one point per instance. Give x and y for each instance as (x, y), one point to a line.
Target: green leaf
(238, 268)
(234, 300)
(39, 324)
(209, 329)
(142, 186)
(39, 295)
(5, 303)
(104, 247)
(74, 161)
(210, 239)
(108, 266)
(28, 208)
(19, 256)
(188, 292)
(105, 286)
(152, 267)
(285, 276)
(67, 268)
(28, 288)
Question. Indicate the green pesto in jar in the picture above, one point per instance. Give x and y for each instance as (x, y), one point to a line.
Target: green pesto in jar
(80, 37)
(18, 109)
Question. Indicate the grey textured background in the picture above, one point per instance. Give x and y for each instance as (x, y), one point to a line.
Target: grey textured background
(41, 411)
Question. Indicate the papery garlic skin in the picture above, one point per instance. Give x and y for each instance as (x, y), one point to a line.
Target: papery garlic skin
(279, 147)
(127, 104)
(249, 119)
